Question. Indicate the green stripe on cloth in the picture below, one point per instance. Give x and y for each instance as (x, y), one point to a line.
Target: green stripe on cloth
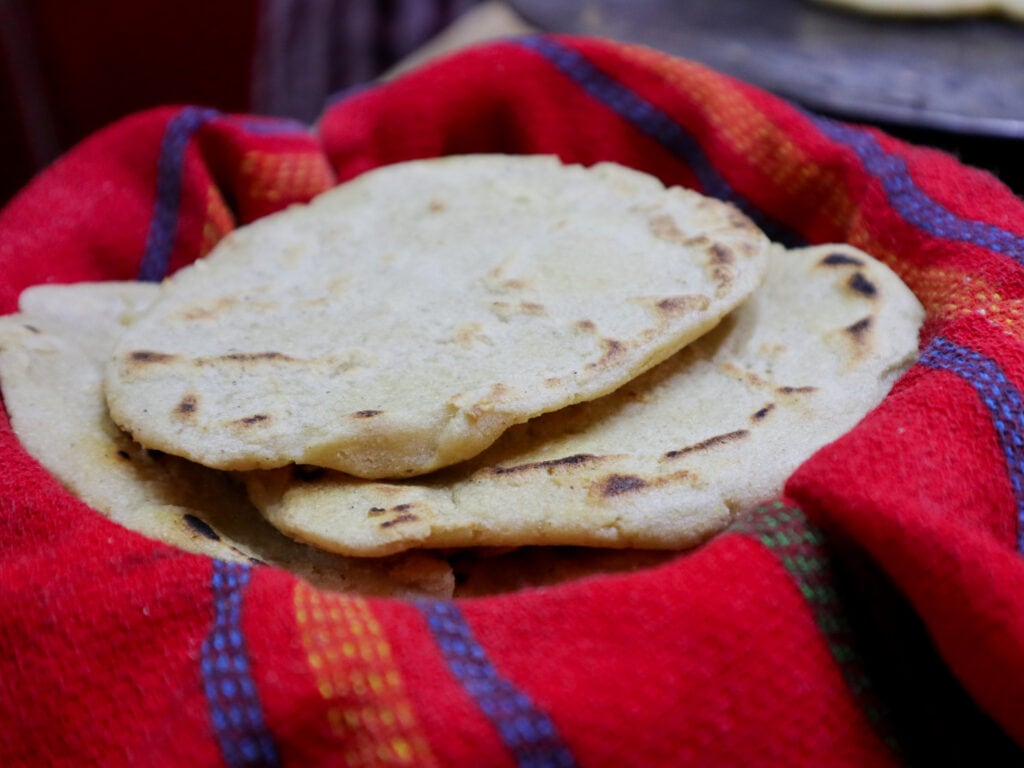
(801, 548)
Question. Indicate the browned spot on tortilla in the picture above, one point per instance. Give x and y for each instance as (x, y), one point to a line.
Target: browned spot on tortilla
(210, 310)
(664, 227)
(839, 259)
(405, 517)
(721, 254)
(860, 284)
(575, 459)
(587, 326)
(755, 380)
(188, 405)
(723, 275)
(612, 350)
(375, 511)
(741, 221)
(711, 442)
(466, 335)
(532, 308)
(436, 205)
(498, 393)
(256, 418)
(860, 329)
(148, 356)
(552, 381)
(761, 413)
(752, 378)
(796, 390)
(674, 306)
(247, 357)
(124, 455)
(615, 485)
(367, 414)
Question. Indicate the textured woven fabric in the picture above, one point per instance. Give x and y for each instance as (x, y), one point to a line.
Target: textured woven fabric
(872, 616)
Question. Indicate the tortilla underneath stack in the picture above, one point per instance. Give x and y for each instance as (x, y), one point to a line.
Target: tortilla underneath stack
(402, 321)
(52, 357)
(664, 461)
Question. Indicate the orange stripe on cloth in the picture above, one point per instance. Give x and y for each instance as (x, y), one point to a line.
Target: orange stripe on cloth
(949, 293)
(288, 176)
(792, 173)
(367, 705)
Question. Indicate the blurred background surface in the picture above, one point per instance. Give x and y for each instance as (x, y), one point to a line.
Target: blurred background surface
(69, 68)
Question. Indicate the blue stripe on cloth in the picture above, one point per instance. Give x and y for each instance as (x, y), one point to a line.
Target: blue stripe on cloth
(528, 732)
(656, 124)
(164, 224)
(1002, 399)
(271, 126)
(235, 711)
(913, 205)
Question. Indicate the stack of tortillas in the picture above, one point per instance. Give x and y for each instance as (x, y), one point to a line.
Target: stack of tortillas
(449, 356)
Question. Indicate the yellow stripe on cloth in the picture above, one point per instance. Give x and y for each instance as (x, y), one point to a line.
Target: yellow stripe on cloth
(218, 221)
(350, 658)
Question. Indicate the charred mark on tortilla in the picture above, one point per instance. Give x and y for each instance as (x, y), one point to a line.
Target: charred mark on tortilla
(188, 404)
(405, 517)
(796, 390)
(369, 413)
(201, 527)
(859, 329)
(760, 414)
(307, 473)
(837, 259)
(578, 458)
(149, 356)
(614, 485)
(30, 327)
(862, 285)
(375, 511)
(711, 442)
(124, 455)
(256, 418)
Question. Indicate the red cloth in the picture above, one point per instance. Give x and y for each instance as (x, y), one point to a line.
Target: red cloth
(874, 615)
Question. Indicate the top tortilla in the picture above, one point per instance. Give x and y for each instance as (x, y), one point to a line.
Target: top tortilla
(403, 321)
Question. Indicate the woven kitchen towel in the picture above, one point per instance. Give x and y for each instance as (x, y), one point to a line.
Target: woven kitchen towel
(871, 616)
